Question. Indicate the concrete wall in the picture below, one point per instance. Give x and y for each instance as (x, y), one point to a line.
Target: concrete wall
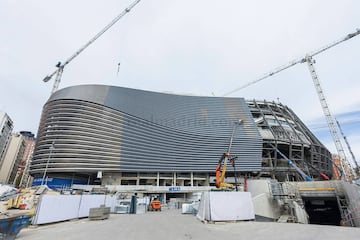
(352, 192)
(264, 205)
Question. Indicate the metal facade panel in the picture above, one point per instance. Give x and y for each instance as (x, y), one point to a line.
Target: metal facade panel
(119, 129)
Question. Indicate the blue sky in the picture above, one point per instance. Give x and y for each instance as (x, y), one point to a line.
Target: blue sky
(200, 47)
(350, 125)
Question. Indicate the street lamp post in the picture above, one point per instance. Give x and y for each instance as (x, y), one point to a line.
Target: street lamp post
(236, 124)
(47, 163)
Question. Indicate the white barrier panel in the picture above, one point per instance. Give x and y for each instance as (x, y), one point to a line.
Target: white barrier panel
(110, 201)
(55, 208)
(90, 201)
(204, 207)
(226, 206)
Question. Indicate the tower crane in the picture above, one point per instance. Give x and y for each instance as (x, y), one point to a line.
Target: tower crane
(60, 66)
(349, 148)
(308, 58)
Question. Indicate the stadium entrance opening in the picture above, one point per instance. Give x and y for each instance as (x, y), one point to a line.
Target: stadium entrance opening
(323, 210)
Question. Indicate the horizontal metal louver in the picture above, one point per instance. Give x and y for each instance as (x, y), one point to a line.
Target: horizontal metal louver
(106, 128)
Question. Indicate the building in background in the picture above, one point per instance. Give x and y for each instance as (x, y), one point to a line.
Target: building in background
(23, 178)
(96, 134)
(6, 127)
(340, 169)
(12, 158)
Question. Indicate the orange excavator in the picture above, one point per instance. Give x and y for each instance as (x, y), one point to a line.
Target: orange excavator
(220, 172)
(155, 204)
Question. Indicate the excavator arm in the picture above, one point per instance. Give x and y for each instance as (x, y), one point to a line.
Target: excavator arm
(220, 171)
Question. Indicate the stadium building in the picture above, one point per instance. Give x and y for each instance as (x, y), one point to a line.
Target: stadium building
(96, 134)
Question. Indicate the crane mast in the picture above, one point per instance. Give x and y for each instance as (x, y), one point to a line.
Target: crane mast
(349, 148)
(60, 66)
(329, 119)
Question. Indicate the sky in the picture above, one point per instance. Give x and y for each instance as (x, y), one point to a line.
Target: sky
(201, 47)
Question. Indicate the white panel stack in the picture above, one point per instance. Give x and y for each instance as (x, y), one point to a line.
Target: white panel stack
(55, 208)
(226, 206)
(90, 201)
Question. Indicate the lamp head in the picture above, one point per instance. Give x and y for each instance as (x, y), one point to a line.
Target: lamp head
(47, 78)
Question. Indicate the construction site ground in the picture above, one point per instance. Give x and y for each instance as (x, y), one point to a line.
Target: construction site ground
(171, 224)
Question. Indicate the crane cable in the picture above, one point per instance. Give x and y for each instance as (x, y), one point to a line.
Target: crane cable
(294, 62)
(330, 121)
(61, 66)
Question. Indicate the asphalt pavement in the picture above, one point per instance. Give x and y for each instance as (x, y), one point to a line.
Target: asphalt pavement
(171, 224)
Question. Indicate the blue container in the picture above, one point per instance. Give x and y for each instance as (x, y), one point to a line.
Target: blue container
(10, 227)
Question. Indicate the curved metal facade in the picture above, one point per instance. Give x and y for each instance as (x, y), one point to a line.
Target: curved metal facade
(114, 129)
